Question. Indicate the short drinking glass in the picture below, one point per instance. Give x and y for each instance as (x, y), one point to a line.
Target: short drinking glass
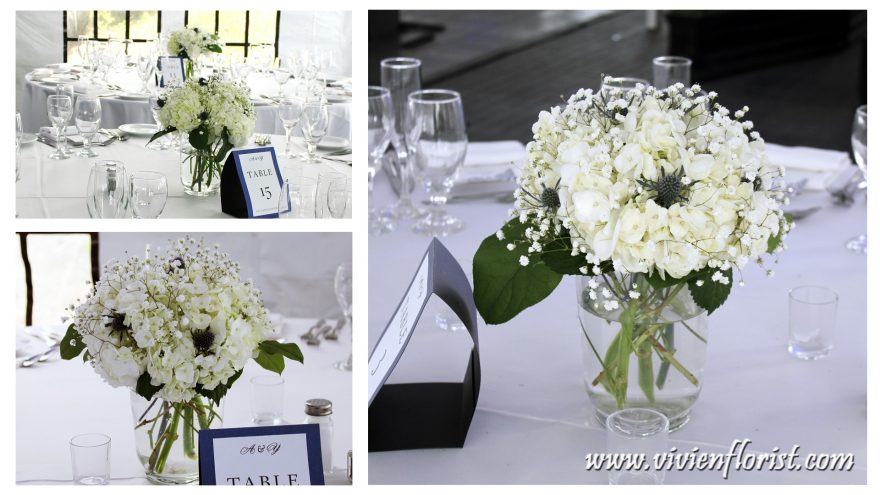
(640, 433)
(812, 315)
(90, 458)
(267, 400)
(149, 193)
(107, 190)
(670, 69)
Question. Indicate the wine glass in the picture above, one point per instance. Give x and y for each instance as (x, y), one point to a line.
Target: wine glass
(149, 193)
(380, 128)
(145, 67)
(107, 192)
(19, 133)
(315, 120)
(290, 111)
(402, 76)
(338, 197)
(859, 141)
(59, 108)
(162, 142)
(67, 90)
(87, 116)
(82, 49)
(281, 78)
(342, 284)
(437, 143)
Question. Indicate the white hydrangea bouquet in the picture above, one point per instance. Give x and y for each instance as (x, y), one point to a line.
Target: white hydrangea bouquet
(190, 43)
(177, 328)
(216, 115)
(655, 198)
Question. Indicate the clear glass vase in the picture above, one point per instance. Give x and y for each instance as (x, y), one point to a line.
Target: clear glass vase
(642, 347)
(166, 436)
(199, 172)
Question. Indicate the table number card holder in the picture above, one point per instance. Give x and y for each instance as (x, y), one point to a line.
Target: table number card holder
(244, 195)
(173, 68)
(245, 446)
(424, 415)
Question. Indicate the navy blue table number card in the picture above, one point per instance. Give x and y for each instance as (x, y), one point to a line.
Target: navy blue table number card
(261, 455)
(171, 72)
(406, 416)
(250, 183)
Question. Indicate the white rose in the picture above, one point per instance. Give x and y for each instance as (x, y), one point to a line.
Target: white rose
(699, 167)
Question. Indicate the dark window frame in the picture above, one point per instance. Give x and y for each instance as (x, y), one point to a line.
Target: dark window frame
(246, 43)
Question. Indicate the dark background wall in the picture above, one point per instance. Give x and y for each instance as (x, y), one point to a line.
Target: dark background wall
(802, 73)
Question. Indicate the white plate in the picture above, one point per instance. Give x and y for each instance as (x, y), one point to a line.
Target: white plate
(133, 96)
(58, 80)
(139, 129)
(28, 138)
(332, 143)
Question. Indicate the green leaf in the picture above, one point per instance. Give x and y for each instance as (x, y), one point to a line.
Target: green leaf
(145, 388)
(71, 344)
(167, 130)
(86, 356)
(775, 241)
(198, 138)
(288, 350)
(215, 48)
(659, 283)
(710, 295)
(646, 369)
(225, 148)
(220, 390)
(503, 287)
(271, 362)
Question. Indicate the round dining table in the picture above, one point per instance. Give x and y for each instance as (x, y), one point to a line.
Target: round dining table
(127, 106)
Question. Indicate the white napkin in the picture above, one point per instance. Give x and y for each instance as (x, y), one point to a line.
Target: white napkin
(73, 137)
(492, 161)
(818, 166)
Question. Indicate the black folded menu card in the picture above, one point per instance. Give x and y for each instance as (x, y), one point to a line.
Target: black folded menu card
(424, 415)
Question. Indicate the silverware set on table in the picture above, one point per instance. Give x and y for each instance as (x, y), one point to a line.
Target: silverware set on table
(325, 328)
(114, 136)
(50, 339)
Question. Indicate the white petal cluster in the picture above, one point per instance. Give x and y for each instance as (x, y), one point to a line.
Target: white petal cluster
(601, 154)
(216, 102)
(190, 42)
(143, 314)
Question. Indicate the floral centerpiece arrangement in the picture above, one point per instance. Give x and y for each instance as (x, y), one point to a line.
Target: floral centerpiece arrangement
(216, 115)
(656, 199)
(177, 328)
(190, 43)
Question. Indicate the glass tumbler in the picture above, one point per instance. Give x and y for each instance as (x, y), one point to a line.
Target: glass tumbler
(671, 69)
(636, 433)
(267, 400)
(812, 314)
(90, 459)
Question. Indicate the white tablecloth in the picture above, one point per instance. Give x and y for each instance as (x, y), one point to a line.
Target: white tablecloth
(534, 423)
(57, 188)
(116, 111)
(60, 399)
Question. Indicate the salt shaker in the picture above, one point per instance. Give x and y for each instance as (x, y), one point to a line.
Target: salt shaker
(320, 412)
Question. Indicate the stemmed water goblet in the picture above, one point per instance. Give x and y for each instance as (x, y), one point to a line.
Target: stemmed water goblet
(281, 78)
(402, 76)
(342, 284)
(146, 64)
(87, 115)
(59, 108)
(859, 140)
(379, 130)
(162, 142)
(437, 143)
(290, 112)
(315, 120)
